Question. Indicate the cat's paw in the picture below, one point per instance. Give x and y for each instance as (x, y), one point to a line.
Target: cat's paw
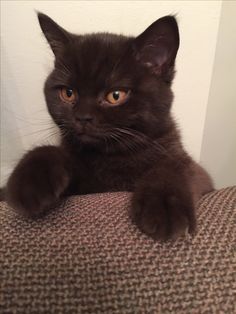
(37, 182)
(163, 216)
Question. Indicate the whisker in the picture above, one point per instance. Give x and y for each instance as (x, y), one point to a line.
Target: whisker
(134, 140)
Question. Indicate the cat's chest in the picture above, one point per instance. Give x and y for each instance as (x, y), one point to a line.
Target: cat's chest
(107, 173)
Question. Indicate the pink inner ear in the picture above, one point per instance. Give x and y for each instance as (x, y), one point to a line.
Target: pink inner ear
(154, 56)
(157, 46)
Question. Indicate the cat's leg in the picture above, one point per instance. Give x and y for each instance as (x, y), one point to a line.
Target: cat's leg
(163, 203)
(38, 181)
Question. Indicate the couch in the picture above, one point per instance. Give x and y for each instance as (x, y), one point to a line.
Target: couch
(87, 257)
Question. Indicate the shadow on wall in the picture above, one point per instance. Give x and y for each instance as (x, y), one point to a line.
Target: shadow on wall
(11, 125)
(218, 151)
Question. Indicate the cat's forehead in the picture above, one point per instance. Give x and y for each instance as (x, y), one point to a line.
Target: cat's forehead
(94, 56)
(100, 45)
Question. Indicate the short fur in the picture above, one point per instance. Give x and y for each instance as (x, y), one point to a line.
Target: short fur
(134, 146)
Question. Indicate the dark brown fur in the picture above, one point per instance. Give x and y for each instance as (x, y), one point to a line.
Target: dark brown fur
(134, 146)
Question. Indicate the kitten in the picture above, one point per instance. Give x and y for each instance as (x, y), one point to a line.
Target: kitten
(110, 96)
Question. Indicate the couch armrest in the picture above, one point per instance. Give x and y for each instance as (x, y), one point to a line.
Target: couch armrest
(87, 257)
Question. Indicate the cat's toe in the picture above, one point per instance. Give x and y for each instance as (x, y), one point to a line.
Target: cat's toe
(30, 201)
(163, 219)
(33, 195)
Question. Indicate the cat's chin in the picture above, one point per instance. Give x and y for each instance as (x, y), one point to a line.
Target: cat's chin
(88, 140)
(85, 138)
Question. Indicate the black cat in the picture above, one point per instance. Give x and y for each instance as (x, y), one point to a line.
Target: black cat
(110, 96)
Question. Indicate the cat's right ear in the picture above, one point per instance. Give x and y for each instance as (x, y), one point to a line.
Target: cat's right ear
(56, 36)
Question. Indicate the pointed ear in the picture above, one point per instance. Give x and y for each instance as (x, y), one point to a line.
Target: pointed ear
(56, 36)
(157, 46)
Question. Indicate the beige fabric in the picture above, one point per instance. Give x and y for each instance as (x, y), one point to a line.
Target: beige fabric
(87, 257)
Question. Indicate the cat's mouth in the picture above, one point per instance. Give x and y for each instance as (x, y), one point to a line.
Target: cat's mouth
(87, 135)
(84, 137)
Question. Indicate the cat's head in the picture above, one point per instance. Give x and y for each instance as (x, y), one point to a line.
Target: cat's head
(110, 91)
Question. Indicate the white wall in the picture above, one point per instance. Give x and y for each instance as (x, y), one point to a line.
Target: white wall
(218, 152)
(26, 60)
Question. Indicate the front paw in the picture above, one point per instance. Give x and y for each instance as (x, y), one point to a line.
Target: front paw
(37, 182)
(163, 216)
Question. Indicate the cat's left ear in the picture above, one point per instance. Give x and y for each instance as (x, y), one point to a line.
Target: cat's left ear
(157, 46)
(56, 36)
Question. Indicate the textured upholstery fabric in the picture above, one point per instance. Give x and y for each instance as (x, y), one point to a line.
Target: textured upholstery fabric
(87, 257)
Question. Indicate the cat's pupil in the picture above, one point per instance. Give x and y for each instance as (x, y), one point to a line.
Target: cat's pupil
(116, 95)
(69, 92)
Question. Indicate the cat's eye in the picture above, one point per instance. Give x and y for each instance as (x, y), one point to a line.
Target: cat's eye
(68, 94)
(117, 97)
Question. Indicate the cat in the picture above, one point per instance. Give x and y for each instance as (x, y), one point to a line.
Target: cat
(110, 96)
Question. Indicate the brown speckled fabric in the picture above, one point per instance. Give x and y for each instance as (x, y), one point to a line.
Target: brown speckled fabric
(87, 257)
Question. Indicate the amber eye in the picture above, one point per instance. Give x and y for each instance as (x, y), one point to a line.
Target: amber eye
(68, 94)
(116, 97)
